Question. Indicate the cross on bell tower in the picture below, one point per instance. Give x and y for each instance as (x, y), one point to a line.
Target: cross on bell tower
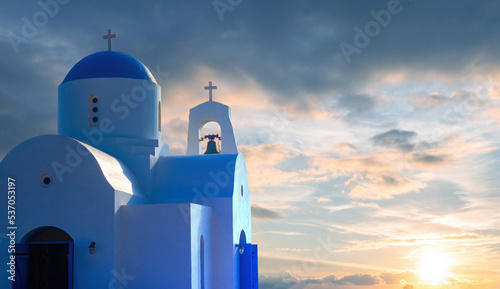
(109, 36)
(210, 88)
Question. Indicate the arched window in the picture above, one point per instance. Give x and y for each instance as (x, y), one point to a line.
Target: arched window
(202, 262)
(159, 116)
(243, 238)
(93, 110)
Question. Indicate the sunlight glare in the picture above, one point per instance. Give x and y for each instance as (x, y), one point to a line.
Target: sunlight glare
(434, 266)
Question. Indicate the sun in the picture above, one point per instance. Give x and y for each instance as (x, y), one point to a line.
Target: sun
(434, 266)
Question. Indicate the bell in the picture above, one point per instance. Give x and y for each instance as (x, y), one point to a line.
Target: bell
(211, 148)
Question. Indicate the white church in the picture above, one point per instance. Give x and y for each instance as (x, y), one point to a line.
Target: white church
(103, 204)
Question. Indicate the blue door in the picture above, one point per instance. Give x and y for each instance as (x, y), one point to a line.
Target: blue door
(249, 272)
(22, 266)
(45, 261)
(51, 265)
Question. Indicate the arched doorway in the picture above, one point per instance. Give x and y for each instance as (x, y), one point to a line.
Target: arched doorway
(48, 255)
(244, 274)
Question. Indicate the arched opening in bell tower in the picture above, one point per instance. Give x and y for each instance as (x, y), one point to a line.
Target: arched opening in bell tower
(210, 138)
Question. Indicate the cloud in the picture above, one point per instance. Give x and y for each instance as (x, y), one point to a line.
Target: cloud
(383, 279)
(286, 281)
(447, 152)
(357, 104)
(20, 123)
(289, 281)
(373, 176)
(459, 105)
(395, 138)
(285, 233)
(352, 205)
(468, 239)
(430, 101)
(381, 186)
(174, 133)
(263, 163)
(344, 148)
(323, 200)
(357, 279)
(264, 213)
(494, 113)
(176, 127)
(384, 174)
(399, 277)
(428, 159)
(291, 250)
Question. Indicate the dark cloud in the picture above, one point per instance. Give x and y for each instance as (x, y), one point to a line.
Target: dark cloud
(462, 101)
(357, 104)
(288, 281)
(359, 279)
(429, 101)
(395, 138)
(285, 281)
(264, 213)
(20, 124)
(399, 277)
(290, 48)
(428, 159)
(177, 127)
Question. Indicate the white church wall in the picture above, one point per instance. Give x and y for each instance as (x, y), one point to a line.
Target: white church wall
(241, 213)
(222, 242)
(201, 226)
(79, 202)
(128, 125)
(196, 179)
(214, 181)
(127, 108)
(241, 202)
(161, 245)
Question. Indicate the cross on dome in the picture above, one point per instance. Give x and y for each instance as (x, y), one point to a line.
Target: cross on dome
(210, 88)
(109, 36)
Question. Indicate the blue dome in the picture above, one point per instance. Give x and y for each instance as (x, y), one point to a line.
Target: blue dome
(109, 64)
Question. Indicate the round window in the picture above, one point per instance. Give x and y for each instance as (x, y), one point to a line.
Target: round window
(45, 180)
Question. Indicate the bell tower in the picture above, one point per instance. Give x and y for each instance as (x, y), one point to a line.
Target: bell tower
(207, 112)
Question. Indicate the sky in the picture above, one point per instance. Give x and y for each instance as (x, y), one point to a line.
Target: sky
(369, 128)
